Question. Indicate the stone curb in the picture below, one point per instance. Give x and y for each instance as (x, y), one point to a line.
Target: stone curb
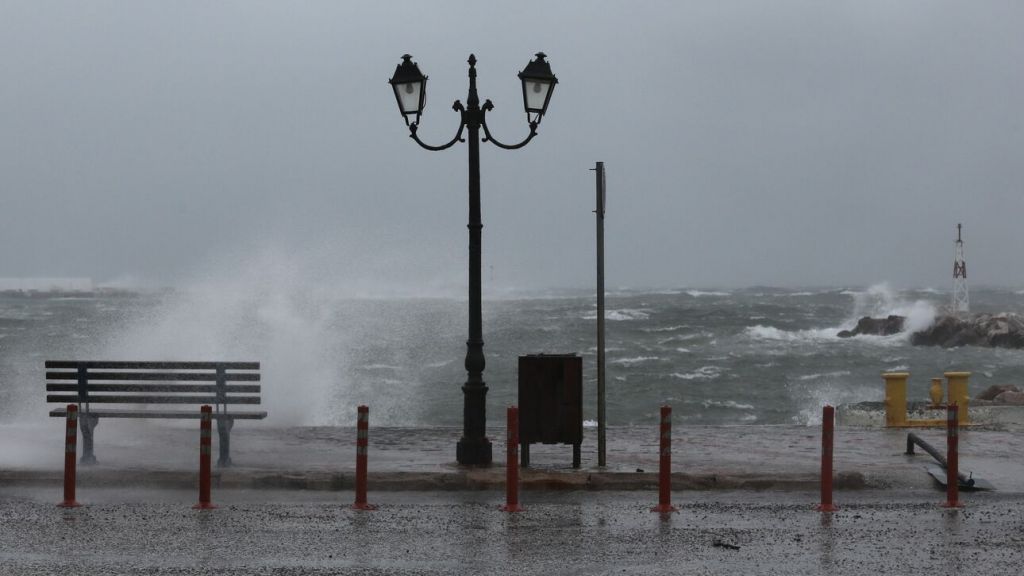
(482, 479)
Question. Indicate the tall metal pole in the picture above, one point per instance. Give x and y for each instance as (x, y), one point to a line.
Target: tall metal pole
(474, 447)
(601, 439)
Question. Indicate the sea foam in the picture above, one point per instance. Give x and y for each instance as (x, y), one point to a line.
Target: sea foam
(702, 373)
(634, 360)
(619, 315)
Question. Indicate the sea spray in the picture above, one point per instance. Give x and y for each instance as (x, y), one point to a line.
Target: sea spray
(877, 301)
(881, 301)
(810, 395)
(262, 310)
(920, 316)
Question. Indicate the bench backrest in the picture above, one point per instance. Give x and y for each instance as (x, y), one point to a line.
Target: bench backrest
(86, 382)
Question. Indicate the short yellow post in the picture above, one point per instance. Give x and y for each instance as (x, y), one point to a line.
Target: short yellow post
(935, 392)
(895, 398)
(957, 393)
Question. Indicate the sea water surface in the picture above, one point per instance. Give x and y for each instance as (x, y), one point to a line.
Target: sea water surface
(721, 357)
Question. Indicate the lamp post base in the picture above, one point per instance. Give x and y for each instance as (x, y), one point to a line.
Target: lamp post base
(473, 451)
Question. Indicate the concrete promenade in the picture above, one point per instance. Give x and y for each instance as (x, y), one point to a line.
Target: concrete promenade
(745, 494)
(298, 532)
(161, 454)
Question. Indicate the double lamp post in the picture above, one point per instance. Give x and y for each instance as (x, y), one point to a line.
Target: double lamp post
(410, 87)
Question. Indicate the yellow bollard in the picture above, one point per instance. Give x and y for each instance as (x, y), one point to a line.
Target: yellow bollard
(935, 392)
(895, 398)
(957, 393)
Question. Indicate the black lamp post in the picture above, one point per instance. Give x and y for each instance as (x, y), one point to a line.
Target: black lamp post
(410, 86)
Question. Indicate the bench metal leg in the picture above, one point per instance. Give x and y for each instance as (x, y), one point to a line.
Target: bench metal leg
(224, 426)
(524, 454)
(87, 422)
(575, 455)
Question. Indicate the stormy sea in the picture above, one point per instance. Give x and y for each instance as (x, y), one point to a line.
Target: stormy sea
(720, 357)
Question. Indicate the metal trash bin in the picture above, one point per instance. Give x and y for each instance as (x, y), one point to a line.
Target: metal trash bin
(550, 402)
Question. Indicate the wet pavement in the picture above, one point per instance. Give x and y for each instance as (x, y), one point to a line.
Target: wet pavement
(746, 496)
(158, 453)
(463, 532)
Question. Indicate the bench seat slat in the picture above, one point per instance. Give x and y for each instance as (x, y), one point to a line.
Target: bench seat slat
(106, 364)
(62, 412)
(208, 388)
(155, 376)
(105, 399)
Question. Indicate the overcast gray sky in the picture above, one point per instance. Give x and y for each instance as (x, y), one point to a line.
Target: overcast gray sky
(779, 143)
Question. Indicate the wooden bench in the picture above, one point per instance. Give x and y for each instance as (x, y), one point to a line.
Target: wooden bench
(132, 384)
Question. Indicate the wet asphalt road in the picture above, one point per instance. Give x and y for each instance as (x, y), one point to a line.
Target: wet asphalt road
(301, 532)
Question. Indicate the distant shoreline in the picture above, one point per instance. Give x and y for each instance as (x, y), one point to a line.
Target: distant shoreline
(95, 293)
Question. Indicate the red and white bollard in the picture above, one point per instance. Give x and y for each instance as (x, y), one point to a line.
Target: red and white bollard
(205, 457)
(952, 457)
(665, 464)
(70, 454)
(828, 419)
(362, 442)
(512, 463)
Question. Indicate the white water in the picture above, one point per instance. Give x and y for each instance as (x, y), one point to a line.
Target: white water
(261, 310)
(878, 301)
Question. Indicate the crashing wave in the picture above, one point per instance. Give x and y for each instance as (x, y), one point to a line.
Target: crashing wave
(760, 332)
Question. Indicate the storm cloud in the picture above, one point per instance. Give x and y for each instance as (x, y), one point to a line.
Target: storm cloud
(781, 143)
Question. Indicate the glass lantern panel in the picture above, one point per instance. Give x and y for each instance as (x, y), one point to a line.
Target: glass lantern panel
(409, 96)
(536, 94)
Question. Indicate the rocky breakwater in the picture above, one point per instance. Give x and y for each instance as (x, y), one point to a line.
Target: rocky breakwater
(947, 331)
(875, 327)
(992, 330)
(1002, 394)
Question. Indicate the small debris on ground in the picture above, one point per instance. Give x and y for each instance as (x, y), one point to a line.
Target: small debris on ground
(724, 544)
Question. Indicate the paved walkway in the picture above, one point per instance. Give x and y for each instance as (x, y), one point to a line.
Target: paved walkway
(305, 533)
(158, 453)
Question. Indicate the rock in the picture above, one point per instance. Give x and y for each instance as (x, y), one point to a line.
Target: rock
(875, 327)
(996, 331)
(990, 330)
(948, 332)
(1011, 397)
(994, 390)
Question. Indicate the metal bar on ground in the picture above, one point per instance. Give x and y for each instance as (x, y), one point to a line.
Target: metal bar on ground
(913, 439)
(70, 454)
(512, 463)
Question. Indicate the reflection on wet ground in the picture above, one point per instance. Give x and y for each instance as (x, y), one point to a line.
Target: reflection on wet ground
(300, 532)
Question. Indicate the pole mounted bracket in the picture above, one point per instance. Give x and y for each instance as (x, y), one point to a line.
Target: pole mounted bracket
(487, 107)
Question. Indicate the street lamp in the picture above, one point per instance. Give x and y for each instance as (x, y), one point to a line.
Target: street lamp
(410, 86)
